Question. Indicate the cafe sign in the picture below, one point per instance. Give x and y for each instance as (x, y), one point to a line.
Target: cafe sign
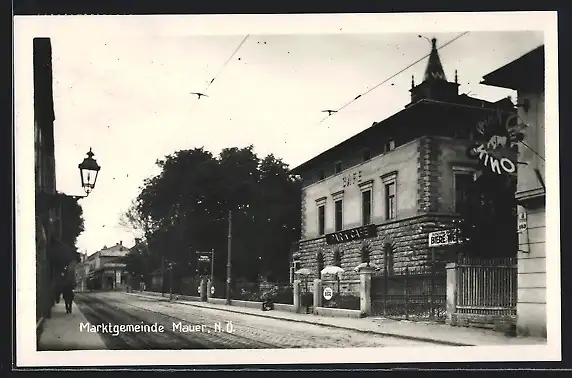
(358, 233)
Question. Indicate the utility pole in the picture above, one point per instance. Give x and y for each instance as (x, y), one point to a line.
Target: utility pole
(170, 281)
(212, 266)
(229, 257)
(163, 275)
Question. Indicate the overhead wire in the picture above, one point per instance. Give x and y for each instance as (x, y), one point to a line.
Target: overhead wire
(226, 63)
(392, 76)
(223, 66)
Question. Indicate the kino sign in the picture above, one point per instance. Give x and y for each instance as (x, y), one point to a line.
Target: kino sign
(501, 129)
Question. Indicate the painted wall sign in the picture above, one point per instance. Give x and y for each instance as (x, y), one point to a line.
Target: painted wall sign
(443, 238)
(351, 179)
(358, 233)
(502, 129)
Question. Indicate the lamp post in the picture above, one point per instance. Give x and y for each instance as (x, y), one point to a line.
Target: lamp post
(88, 170)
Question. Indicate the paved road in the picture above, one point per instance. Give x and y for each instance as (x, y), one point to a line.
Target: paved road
(200, 327)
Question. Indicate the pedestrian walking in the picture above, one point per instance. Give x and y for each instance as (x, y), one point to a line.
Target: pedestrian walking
(68, 295)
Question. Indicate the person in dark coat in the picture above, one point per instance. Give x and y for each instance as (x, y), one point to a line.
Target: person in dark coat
(68, 295)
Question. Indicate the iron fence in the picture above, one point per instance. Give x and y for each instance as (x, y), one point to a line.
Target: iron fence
(411, 295)
(486, 286)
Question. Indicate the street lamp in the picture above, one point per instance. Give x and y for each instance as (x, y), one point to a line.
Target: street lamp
(88, 170)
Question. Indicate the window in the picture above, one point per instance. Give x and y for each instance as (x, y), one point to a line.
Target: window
(390, 200)
(390, 182)
(321, 219)
(338, 220)
(366, 155)
(389, 145)
(388, 258)
(463, 183)
(366, 207)
(338, 167)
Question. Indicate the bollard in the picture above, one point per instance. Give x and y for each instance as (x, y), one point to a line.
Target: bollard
(365, 291)
(317, 294)
(203, 290)
(297, 296)
(210, 285)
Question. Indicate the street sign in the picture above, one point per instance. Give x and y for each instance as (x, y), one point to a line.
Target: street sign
(212, 290)
(522, 223)
(443, 238)
(328, 293)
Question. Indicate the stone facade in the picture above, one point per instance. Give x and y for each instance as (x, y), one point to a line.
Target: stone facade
(408, 238)
(430, 208)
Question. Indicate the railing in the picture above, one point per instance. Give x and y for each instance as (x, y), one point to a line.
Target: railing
(411, 295)
(486, 286)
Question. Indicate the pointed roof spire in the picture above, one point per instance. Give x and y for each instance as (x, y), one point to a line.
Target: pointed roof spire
(434, 70)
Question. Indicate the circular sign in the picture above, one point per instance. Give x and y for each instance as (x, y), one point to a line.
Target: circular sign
(328, 293)
(199, 289)
(212, 289)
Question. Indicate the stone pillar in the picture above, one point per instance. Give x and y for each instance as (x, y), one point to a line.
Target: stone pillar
(365, 290)
(297, 296)
(203, 290)
(210, 285)
(451, 292)
(317, 293)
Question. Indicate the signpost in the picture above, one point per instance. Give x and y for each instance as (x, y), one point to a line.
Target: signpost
(443, 238)
(206, 257)
(328, 293)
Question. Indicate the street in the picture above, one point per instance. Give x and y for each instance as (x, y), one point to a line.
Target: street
(190, 327)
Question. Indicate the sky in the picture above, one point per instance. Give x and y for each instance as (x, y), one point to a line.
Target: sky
(122, 87)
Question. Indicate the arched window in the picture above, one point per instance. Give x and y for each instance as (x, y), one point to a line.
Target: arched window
(337, 257)
(388, 258)
(320, 261)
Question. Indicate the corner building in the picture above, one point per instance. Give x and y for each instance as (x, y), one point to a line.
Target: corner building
(394, 183)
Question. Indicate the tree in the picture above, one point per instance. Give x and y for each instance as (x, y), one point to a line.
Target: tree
(71, 217)
(185, 209)
(488, 225)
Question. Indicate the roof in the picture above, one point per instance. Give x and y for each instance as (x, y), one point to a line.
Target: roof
(434, 70)
(424, 108)
(525, 71)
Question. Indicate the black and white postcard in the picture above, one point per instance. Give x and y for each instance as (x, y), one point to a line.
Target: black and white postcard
(287, 189)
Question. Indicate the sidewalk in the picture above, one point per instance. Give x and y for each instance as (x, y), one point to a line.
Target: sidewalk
(431, 332)
(62, 332)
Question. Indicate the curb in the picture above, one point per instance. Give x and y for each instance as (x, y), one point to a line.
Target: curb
(387, 334)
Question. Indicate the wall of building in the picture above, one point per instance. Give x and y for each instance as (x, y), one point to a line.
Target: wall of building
(402, 160)
(534, 138)
(451, 155)
(424, 184)
(531, 306)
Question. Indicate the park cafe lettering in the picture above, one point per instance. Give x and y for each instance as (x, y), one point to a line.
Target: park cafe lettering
(358, 233)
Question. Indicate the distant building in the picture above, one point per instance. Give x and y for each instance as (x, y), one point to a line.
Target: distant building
(393, 183)
(526, 76)
(107, 268)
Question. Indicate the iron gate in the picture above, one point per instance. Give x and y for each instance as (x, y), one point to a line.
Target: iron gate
(411, 295)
